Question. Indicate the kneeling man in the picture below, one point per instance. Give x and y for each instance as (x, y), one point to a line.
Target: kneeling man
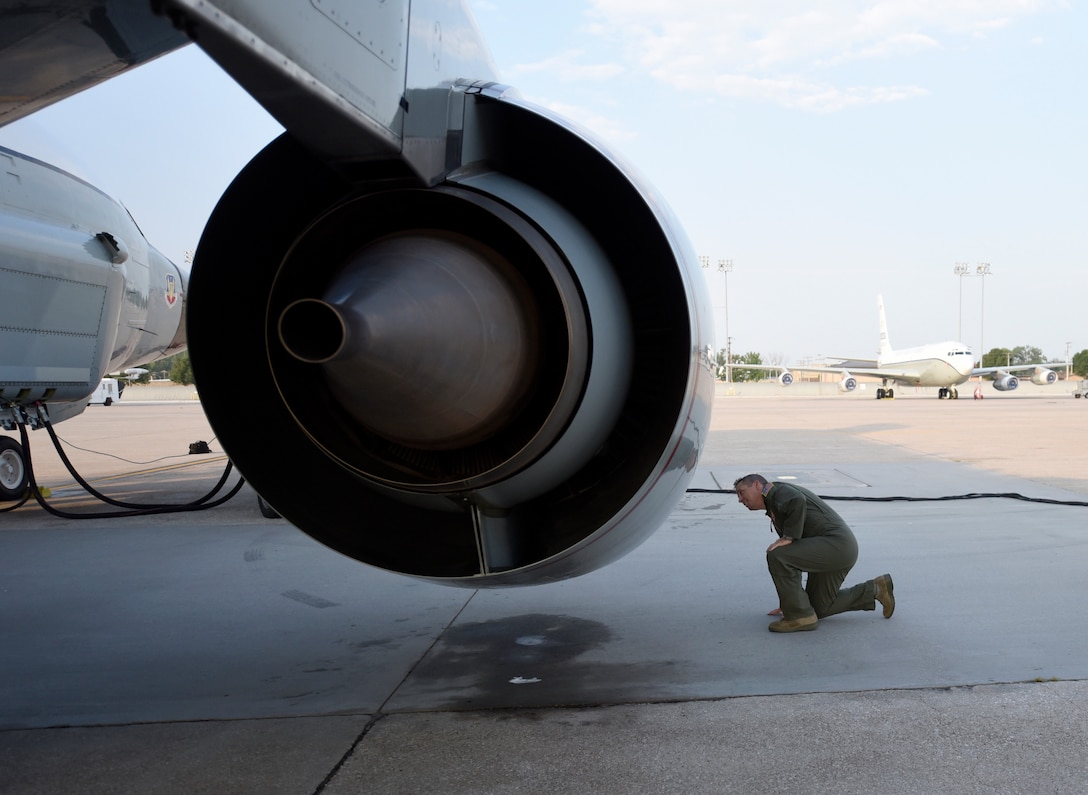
(812, 539)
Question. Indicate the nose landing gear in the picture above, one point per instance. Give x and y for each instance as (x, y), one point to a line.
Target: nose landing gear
(13, 472)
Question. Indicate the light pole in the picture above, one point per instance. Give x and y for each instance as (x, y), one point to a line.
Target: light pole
(725, 266)
(982, 270)
(961, 271)
(704, 261)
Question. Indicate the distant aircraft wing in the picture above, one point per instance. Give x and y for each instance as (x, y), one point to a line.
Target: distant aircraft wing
(770, 368)
(876, 372)
(852, 364)
(1004, 380)
(1016, 368)
(847, 380)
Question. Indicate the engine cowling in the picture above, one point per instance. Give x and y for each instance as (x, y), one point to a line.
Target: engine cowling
(1005, 382)
(785, 378)
(1042, 376)
(848, 383)
(496, 380)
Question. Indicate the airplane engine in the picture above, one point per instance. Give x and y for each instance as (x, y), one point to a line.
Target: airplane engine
(785, 378)
(1042, 376)
(494, 380)
(1005, 382)
(848, 383)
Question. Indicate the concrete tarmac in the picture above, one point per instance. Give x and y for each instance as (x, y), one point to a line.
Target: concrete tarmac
(221, 651)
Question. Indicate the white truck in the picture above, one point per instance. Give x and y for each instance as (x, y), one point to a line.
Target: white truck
(1082, 389)
(106, 394)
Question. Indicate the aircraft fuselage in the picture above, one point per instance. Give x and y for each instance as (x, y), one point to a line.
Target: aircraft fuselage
(927, 366)
(82, 293)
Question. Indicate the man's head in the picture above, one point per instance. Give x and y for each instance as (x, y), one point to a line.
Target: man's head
(750, 492)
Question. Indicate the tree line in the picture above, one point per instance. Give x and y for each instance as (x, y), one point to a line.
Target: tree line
(176, 368)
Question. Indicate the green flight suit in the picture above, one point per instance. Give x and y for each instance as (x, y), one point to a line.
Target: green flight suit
(823, 545)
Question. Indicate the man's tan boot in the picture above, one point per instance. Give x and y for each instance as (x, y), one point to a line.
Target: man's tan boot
(884, 594)
(801, 624)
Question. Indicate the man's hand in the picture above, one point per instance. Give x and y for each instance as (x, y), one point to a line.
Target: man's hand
(780, 542)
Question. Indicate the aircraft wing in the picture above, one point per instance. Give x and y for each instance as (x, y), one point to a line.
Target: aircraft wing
(52, 49)
(1016, 368)
(847, 381)
(474, 336)
(852, 364)
(890, 373)
(1005, 381)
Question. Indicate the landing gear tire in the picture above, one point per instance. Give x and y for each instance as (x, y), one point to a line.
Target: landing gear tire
(14, 477)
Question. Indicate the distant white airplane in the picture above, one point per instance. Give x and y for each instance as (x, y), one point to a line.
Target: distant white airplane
(945, 365)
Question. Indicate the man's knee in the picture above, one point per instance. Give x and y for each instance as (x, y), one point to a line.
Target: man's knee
(778, 560)
(772, 559)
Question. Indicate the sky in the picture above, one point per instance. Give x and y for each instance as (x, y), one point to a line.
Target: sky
(828, 151)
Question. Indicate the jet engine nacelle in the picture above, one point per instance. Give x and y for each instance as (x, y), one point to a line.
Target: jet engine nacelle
(1005, 382)
(848, 383)
(1042, 376)
(785, 378)
(497, 379)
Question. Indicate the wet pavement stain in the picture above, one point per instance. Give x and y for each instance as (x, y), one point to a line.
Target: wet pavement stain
(519, 661)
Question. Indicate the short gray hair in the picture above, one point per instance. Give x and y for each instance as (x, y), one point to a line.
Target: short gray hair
(748, 480)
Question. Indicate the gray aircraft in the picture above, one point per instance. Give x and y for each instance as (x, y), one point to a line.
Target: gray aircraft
(468, 327)
(82, 294)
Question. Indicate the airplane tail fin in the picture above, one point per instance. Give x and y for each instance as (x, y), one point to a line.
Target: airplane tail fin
(885, 346)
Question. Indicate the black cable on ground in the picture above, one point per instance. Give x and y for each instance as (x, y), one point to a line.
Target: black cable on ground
(109, 500)
(975, 496)
(130, 509)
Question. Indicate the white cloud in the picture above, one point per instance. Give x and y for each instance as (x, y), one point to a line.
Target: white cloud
(566, 67)
(785, 52)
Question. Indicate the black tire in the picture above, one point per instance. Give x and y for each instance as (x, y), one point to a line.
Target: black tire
(14, 476)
